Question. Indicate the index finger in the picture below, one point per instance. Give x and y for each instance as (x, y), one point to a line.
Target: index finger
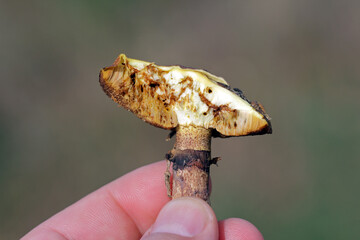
(125, 207)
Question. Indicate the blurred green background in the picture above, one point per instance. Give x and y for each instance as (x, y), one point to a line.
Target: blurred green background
(61, 137)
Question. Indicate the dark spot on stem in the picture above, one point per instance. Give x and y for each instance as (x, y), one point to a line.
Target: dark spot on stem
(187, 158)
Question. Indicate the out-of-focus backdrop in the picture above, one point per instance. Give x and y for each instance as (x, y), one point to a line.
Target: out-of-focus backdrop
(61, 137)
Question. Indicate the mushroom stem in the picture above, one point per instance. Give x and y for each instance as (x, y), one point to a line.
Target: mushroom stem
(191, 157)
(194, 138)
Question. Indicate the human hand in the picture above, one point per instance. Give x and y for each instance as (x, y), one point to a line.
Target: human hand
(136, 206)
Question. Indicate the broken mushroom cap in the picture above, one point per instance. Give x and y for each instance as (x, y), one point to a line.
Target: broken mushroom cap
(169, 96)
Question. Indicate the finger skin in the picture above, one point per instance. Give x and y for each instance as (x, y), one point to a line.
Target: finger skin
(238, 229)
(122, 209)
(125, 209)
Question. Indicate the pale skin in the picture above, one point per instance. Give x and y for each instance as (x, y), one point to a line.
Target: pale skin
(128, 207)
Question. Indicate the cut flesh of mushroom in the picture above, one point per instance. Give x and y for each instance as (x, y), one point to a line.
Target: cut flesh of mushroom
(168, 96)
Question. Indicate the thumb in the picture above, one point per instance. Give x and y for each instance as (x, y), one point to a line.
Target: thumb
(184, 218)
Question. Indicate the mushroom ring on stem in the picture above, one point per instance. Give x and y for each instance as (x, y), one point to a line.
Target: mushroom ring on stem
(194, 104)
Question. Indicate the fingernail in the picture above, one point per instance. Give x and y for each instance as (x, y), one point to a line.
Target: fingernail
(183, 216)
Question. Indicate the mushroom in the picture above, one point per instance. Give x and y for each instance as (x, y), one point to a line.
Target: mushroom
(194, 104)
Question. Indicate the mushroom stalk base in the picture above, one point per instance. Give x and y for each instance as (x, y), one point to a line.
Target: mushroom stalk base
(191, 158)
